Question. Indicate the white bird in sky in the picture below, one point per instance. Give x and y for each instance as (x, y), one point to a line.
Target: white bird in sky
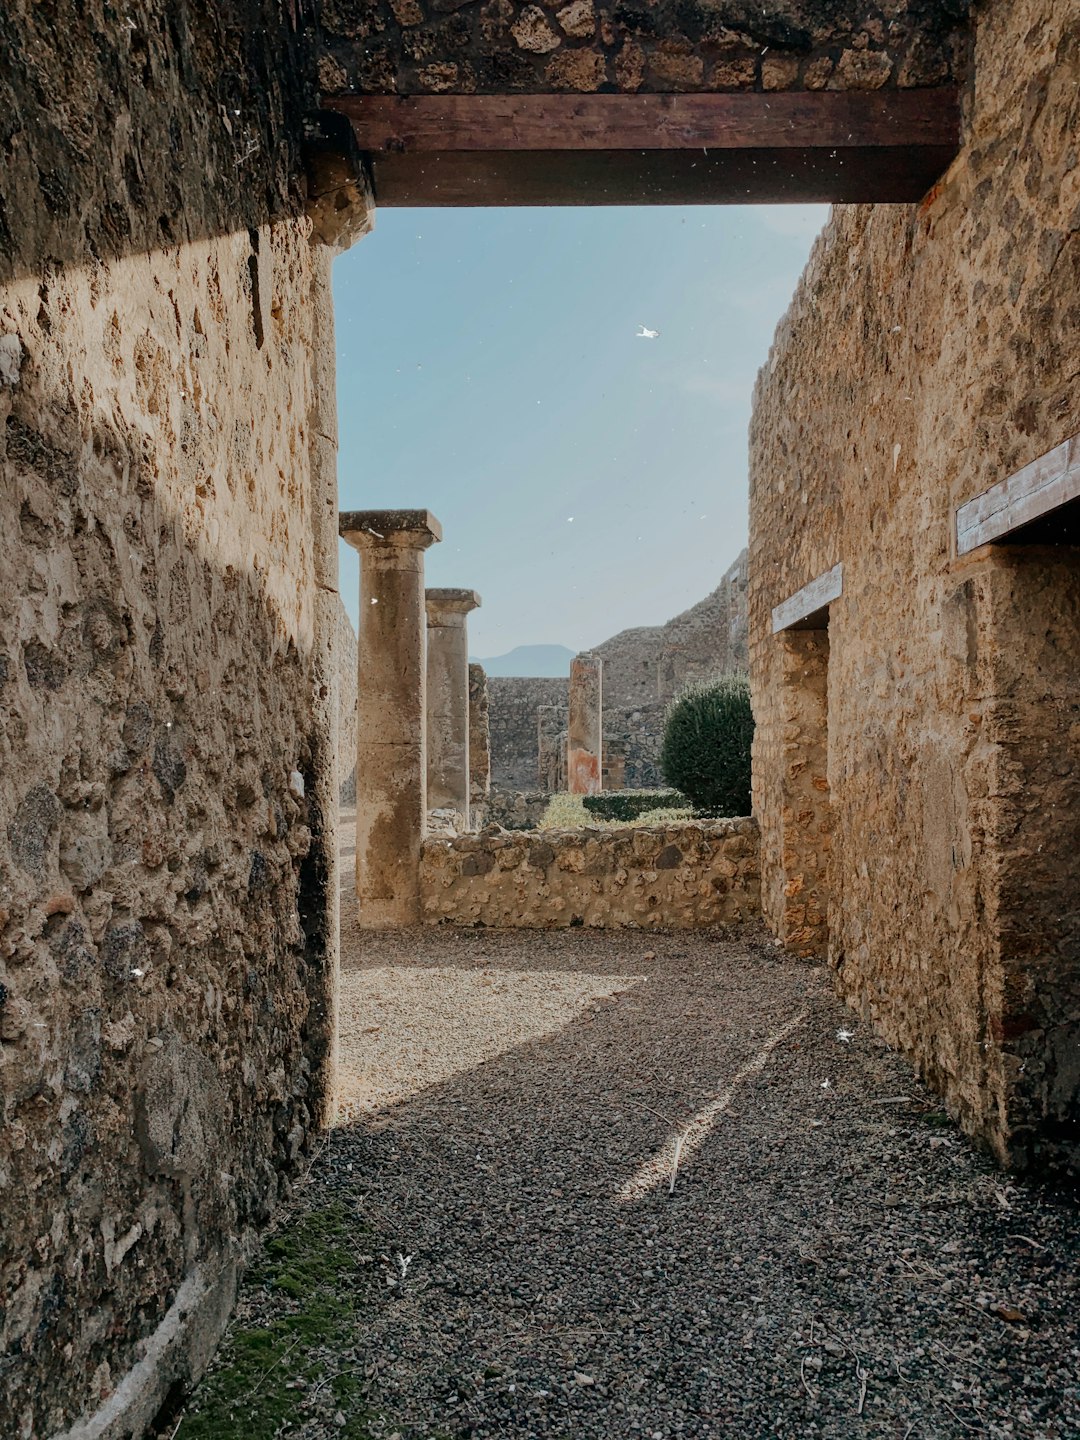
(644, 333)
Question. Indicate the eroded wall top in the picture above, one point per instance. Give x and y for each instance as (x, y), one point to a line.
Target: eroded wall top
(424, 47)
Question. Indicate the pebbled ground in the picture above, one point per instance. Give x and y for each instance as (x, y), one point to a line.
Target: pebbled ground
(832, 1260)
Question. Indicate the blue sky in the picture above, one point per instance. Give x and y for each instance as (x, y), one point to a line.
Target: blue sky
(488, 369)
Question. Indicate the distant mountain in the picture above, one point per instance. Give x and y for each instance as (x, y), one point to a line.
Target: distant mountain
(545, 660)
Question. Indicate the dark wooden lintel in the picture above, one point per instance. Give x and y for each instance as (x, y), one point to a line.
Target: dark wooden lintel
(865, 146)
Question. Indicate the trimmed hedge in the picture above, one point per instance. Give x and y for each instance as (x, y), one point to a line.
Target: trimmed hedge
(706, 746)
(629, 804)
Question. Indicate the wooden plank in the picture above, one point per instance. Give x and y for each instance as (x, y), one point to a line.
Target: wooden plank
(809, 602)
(850, 148)
(883, 120)
(657, 177)
(1051, 481)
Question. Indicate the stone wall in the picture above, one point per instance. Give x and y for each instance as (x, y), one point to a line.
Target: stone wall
(644, 669)
(412, 47)
(675, 877)
(166, 763)
(654, 662)
(516, 809)
(513, 705)
(929, 353)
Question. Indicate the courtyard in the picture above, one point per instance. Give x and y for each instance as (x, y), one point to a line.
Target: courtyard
(600, 1184)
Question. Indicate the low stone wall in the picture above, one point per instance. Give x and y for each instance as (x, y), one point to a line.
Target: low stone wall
(516, 809)
(676, 877)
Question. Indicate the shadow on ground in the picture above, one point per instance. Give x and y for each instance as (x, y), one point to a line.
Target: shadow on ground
(510, 1258)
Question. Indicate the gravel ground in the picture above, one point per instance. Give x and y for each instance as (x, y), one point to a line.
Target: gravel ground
(831, 1259)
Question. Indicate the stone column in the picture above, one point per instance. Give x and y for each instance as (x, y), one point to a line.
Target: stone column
(550, 725)
(479, 739)
(585, 726)
(391, 753)
(448, 699)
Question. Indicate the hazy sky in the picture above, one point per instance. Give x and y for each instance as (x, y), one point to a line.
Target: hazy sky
(488, 369)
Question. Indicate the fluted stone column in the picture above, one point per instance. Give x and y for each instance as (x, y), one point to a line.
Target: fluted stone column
(448, 699)
(585, 726)
(391, 753)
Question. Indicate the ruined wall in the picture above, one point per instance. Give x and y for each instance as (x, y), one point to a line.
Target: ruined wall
(166, 950)
(654, 662)
(644, 669)
(675, 877)
(413, 47)
(928, 354)
(513, 706)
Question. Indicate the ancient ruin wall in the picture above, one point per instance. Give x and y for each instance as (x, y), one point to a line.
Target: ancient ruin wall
(672, 877)
(513, 703)
(165, 1012)
(654, 662)
(929, 353)
(416, 47)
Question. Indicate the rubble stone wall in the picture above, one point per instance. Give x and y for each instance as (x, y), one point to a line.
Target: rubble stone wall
(644, 669)
(929, 353)
(513, 703)
(166, 953)
(675, 877)
(415, 47)
(654, 662)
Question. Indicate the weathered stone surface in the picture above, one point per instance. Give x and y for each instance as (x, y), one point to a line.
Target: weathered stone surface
(644, 669)
(448, 781)
(479, 741)
(950, 332)
(585, 725)
(158, 624)
(391, 725)
(656, 877)
(513, 45)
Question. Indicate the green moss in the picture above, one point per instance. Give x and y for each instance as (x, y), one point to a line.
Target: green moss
(311, 1267)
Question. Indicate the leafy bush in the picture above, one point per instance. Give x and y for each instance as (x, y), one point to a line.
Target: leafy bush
(706, 746)
(629, 804)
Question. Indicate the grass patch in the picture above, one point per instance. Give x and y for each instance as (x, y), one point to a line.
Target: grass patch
(568, 812)
(281, 1365)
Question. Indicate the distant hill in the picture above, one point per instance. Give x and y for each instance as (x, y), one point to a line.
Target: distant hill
(542, 660)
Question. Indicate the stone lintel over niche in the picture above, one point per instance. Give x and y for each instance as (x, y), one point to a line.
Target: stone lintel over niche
(360, 527)
(808, 608)
(1037, 505)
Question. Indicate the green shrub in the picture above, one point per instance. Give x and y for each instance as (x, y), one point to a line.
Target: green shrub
(629, 804)
(706, 746)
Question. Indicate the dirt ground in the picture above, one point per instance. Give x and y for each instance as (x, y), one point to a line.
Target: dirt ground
(601, 1185)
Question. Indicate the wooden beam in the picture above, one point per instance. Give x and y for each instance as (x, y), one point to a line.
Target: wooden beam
(807, 609)
(1047, 484)
(861, 146)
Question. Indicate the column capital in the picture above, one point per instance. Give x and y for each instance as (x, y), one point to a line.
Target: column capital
(409, 529)
(441, 604)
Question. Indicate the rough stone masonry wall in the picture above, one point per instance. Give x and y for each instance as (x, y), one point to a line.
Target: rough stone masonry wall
(674, 877)
(929, 353)
(654, 662)
(513, 703)
(413, 47)
(165, 1015)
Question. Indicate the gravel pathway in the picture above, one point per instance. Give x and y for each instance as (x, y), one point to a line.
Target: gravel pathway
(537, 1253)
